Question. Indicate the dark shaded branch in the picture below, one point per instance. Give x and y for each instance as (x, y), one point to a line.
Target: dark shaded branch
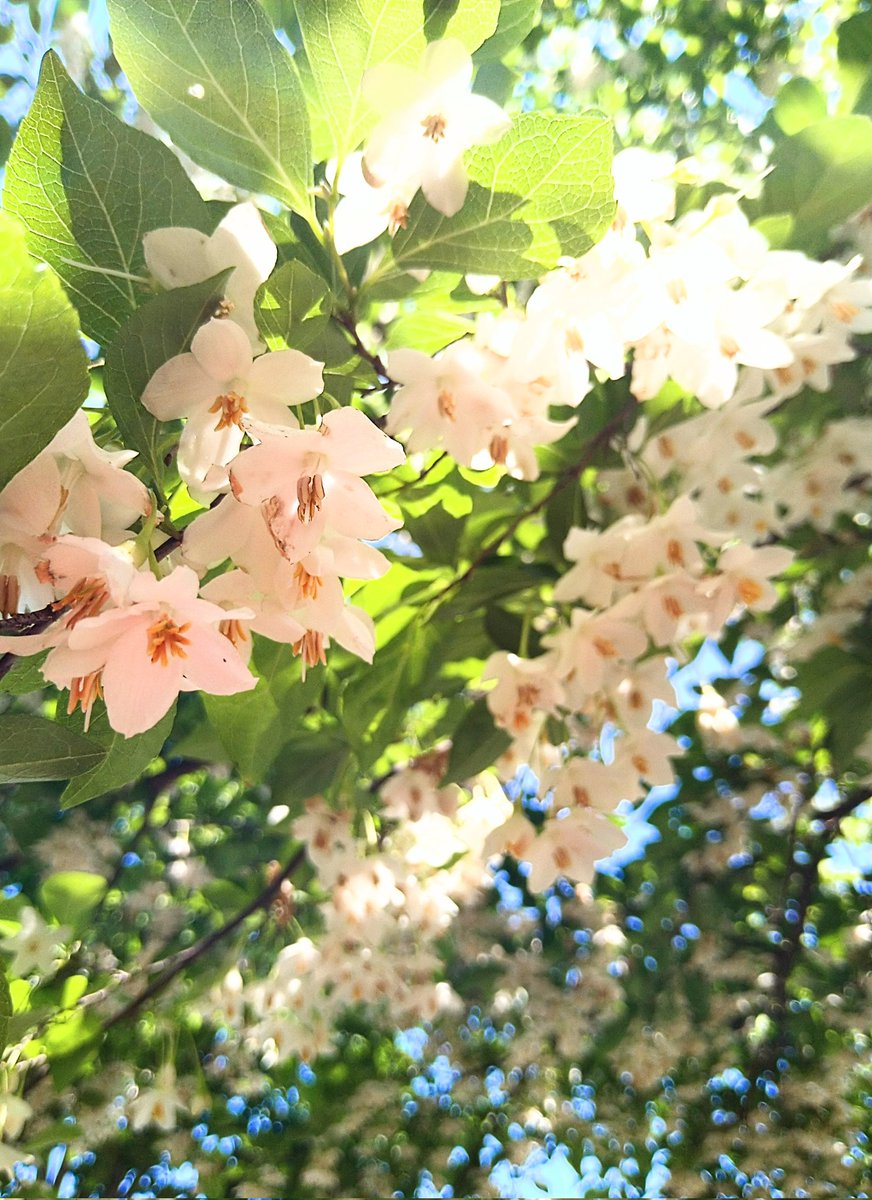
(175, 965)
(348, 324)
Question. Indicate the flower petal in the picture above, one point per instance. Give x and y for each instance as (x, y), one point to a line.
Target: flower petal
(223, 350)
(287, 376)
(176, 256)
(178, 388)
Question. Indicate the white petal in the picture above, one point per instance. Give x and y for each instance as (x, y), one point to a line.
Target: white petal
(444, 60)
(222, 349)
(445, 186)
(178, 388)
(288, 376)
(176, 256)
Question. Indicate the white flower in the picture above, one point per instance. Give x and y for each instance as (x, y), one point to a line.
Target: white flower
(430, 119)
(179, 256)
(365, 211)
(220, 388)
(36, 946)
(157, 1105)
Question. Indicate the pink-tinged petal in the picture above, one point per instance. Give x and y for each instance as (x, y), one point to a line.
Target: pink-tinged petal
(29, 643)
(444, 60)
(137, 691)
(176, 256)
(356, 560)
(293, 538)
(356, 633)
(445, 185)
(32, 499)
(271, 468)
(223, 350)
(178, 388)
(202, 447)
(220, 533)
(82, 512)
(353, 443)
(180, 587)
(212, 664)
(63, 665)
(286, 376)
(352, 508)
(103, 629)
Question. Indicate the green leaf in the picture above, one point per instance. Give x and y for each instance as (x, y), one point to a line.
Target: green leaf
(87, 187)
(855, 63)
(342, 39)
(214, 76)
(437, 532)
(307, 766)
(542, 191)
(293, 307)
(5, 1008)
(160, 329)
(125, 761)
(69, 896)
(24, 676)
(476, 744)
(32, 749)
(245, 724)
(517, 18)
(800, 103)
(43, 368)
(820, 176)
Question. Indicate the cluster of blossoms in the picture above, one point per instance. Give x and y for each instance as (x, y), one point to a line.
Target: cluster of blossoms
(703, 302)
(292, 514)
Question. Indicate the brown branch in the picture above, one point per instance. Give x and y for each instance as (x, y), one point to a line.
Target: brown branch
(175, 965)
(348, 324)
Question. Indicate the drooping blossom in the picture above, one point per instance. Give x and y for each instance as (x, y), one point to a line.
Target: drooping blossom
(139, 656)
(178, 256)
(220, 388)
(430, 119)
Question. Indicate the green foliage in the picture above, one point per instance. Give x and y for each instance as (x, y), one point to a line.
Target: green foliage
(544, 189)
(87, 187)
(223, 88)
(32, 748)
(43, 369)
(340, 41)
(125, 762)
(820, 176)
(475, 745)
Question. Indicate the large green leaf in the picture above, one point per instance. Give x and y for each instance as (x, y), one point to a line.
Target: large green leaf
(69, 896)
(293, 307)
(87, 187)
(855, 63)
(126, 759)
(43, 369)
(820, 176)
(517, 18)
(33, 749)
(477, 744)
(155, 333)
(214, 76)
(342, 39)
(543, 190)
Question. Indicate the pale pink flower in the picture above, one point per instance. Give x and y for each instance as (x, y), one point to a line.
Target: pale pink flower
(447, 401)
(308, 481)
(524, 687)
(222, 391)
(743, 580)
(140, 656)
(571, 846)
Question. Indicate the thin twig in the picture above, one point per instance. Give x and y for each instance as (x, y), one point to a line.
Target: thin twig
(178, 962)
